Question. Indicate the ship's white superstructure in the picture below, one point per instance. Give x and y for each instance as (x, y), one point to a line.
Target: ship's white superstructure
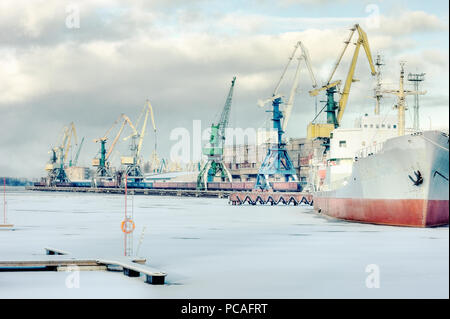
(403, 182)
(381, 172)
(346, 145)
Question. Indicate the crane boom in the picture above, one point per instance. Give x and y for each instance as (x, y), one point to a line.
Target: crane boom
(290, 103)
(154, 153)
(304, 55)
(214, 167)
(133, 169)
(362, 40)
(333, 118)
(61, 138)
(152, 115)
(145, 111)
(275, 92)
(71, 131)
(325, 87)
(125, 121)
(102, 164)
(108, 131)
(338, 61)
(113, 144)
(149, 109)
(75, 161)
(225, 116)
(64, 140)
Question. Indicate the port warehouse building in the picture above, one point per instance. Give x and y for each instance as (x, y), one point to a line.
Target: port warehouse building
(244, 160)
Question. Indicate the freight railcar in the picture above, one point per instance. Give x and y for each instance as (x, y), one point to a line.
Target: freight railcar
(213, 186)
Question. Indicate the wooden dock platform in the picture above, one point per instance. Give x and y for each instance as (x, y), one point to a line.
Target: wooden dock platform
(59, 260)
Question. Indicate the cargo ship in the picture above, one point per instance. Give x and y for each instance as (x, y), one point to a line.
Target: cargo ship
(382, 173)
(404, 182)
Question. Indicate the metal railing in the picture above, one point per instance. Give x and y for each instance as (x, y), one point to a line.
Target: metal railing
(369, 150)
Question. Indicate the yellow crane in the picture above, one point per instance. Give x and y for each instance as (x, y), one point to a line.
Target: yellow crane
(317, 130)
(102, 162)
(56, 150)
(71, 132)
(56, 166)
(133, 163)
(154, 159)
(155, 163)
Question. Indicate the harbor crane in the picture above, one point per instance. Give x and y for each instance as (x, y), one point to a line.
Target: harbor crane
(277, 162)
(335, 110)
(214, 167)
(56, 166)
(133, 169)
(155, 162)
(71, 132)
(77, 155)
(102, 163)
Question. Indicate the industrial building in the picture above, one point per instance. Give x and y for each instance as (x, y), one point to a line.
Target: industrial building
(244, 160)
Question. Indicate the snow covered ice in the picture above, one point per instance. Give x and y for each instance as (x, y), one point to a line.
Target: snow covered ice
(214, 250)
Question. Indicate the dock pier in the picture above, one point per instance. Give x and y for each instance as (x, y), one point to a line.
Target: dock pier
(59, 260)
(272, 198)
(136, 191)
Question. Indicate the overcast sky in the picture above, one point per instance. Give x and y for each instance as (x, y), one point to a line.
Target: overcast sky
(182, 55)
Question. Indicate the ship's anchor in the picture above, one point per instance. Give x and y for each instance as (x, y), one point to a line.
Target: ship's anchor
(418, 180)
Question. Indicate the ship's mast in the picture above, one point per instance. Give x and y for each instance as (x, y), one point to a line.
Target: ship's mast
(401, 94)
(416, 78)
(378, 94)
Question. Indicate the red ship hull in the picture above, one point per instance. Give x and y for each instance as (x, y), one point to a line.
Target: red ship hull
(394, 212)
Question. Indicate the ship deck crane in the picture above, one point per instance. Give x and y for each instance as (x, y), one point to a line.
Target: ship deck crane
(334, 110)
(102, 163)
(277, 162)
(214, 167)
(133, 169)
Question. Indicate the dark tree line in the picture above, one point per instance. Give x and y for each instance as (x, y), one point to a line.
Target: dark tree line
(13, 181)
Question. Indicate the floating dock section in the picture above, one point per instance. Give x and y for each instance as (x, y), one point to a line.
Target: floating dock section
(272, 198)
(58, 260)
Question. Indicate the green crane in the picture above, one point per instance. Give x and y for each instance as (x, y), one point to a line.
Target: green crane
(75, 160)
(214, 167)
(57, 164)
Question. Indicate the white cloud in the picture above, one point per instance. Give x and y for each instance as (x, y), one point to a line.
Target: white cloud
(411, 22)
